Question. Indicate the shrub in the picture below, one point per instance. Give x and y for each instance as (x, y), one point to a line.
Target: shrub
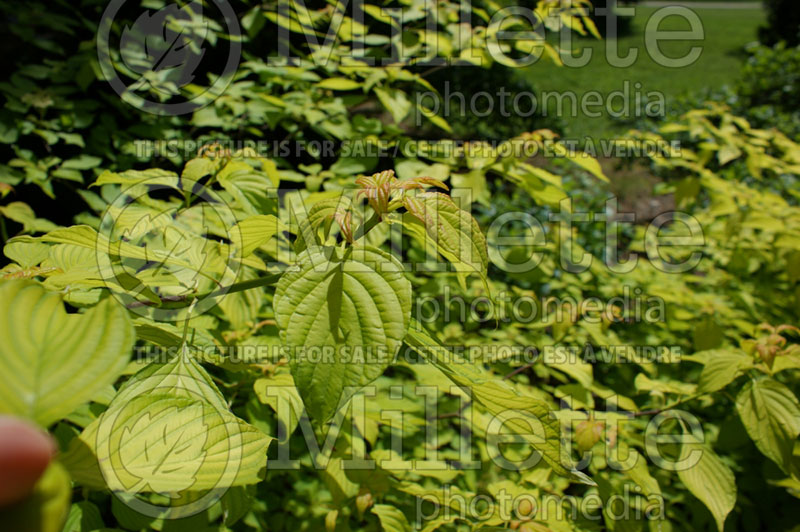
(200, 347)
(624, 25)
(771, 76)
(471, 81)
(783, 23)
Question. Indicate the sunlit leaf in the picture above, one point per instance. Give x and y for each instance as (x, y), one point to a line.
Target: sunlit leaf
(58, 360)
(710, 480)
(771, 415)
(356, 310)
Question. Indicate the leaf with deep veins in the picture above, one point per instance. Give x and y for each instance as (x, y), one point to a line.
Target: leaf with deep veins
(54, 361)
(434, 217)
(167, 430)
(709, 479)
(343, 321)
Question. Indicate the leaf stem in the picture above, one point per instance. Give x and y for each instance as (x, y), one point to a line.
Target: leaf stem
(364, 228)
(178, 301)
(657, 411)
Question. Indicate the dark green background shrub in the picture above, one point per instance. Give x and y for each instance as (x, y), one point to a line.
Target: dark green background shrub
(783, 22)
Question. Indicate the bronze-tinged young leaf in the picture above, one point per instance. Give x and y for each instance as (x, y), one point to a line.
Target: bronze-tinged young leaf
(420, 183)
(377, 188)
(455, 234)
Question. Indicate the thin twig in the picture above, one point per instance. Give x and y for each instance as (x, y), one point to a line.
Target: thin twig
(519, 370)
(657, 411)
(235, 287)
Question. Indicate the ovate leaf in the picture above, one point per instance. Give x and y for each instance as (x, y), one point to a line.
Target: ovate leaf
(151, 177)
(590, 164)
(392, 518)
(248, 186)
(168, 430)
(710, 480)
(236, 503)
(181, 376)
(395, 101)
(253, 232)
(23, 214)
(54, 361)
(640, 474)
(196, 169)
(721, 367)
(338, 84)
(343, 321)
(434, 217)
(280, 393)
(26, 251)
(88, 237)
(167, 444)
(180, 452)
(324, 211)
(83, 515)
(771, 415)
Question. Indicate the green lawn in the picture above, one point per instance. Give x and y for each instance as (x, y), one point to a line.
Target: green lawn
(726, 31)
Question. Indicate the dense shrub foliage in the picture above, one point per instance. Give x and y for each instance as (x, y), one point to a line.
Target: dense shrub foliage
(783, 23)
(467, 337)
(770, 86)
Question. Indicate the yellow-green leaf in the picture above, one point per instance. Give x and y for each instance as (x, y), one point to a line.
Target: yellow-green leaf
(356, 310)
(168, 430)
(338, 84)
(253, 232)
(721, 368)
(710, 480)
(54, 361)
(392, 518)
(434, 217)
(500, 399)
(771, 415)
